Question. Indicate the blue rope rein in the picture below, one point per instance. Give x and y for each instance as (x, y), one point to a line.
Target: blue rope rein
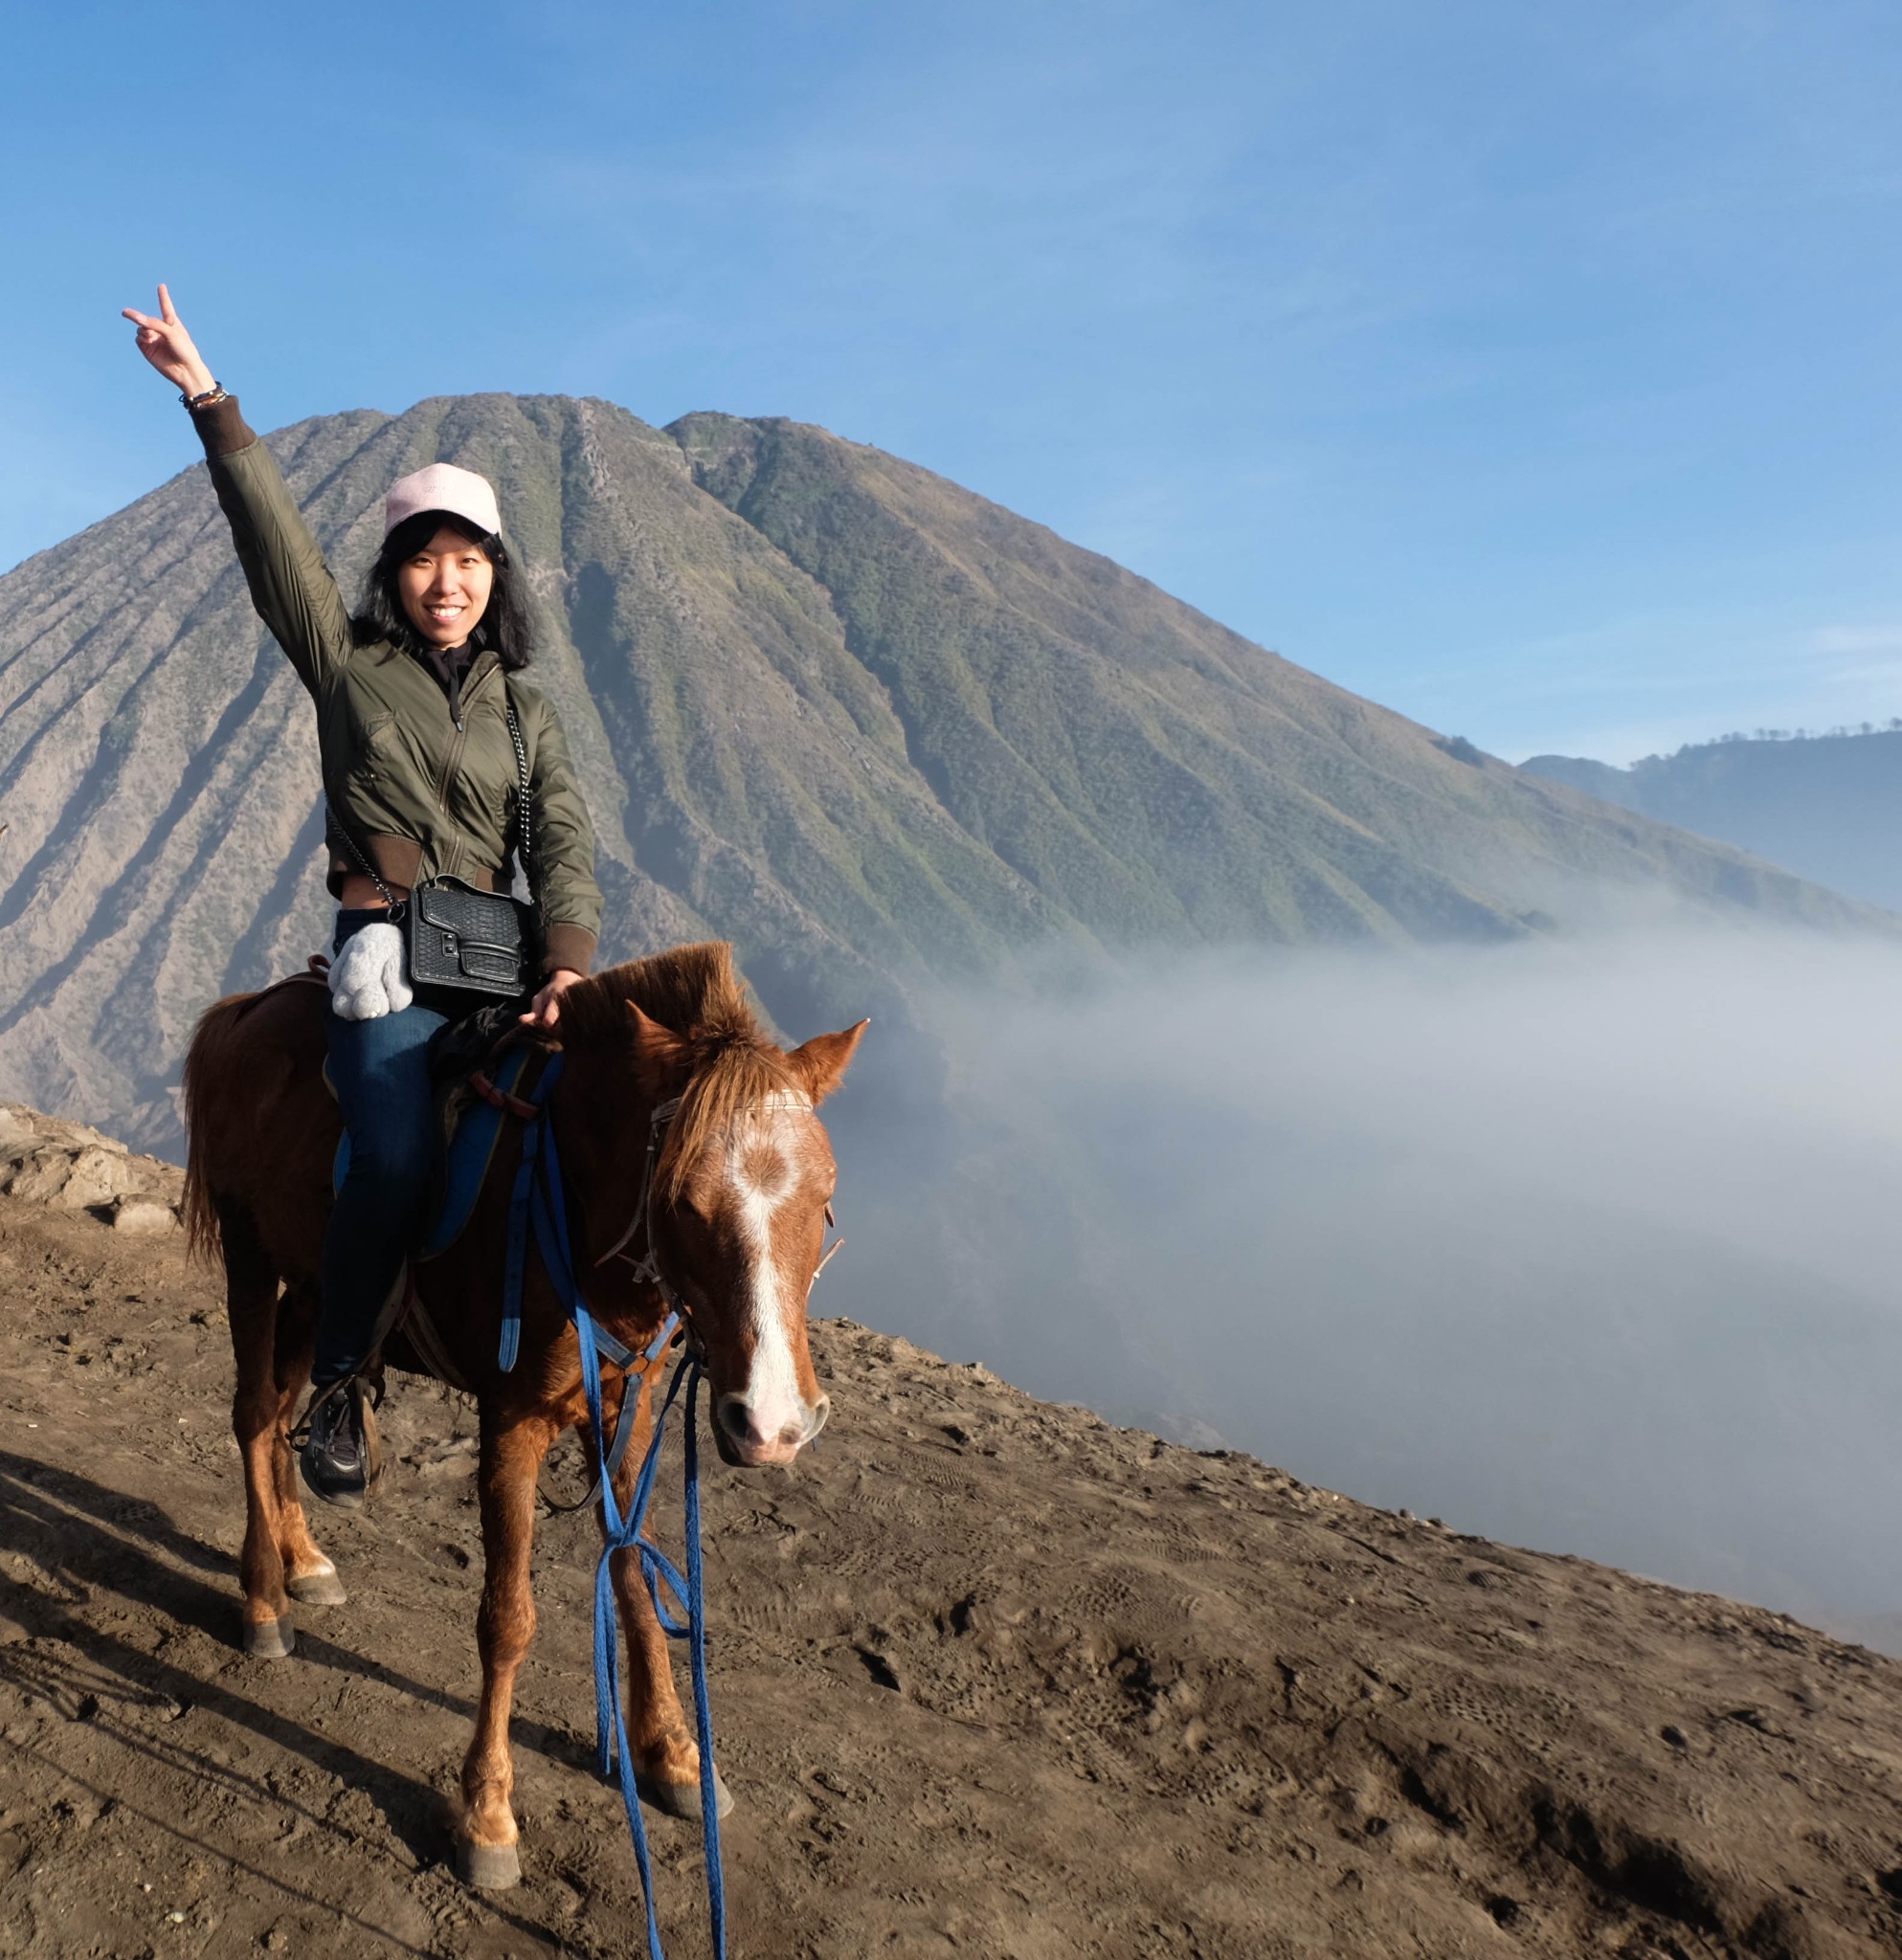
(539, 1202)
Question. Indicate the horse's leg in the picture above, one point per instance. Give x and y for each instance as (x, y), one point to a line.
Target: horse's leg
(666, 1758)
(309, 1577)
(511, 1459)
(251, 1306)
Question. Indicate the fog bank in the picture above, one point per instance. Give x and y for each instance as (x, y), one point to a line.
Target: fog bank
(1587, 1246)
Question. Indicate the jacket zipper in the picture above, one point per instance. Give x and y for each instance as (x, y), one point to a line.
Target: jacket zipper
(457, 743)
(453, 761)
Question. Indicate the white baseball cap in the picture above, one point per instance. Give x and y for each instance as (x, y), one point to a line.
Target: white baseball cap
(442, 486)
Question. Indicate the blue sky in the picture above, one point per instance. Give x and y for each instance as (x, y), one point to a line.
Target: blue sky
(1530, 369)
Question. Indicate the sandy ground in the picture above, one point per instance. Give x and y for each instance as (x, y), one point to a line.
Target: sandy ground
(991, 1678)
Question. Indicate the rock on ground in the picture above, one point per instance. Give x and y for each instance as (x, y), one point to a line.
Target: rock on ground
(46, 1161)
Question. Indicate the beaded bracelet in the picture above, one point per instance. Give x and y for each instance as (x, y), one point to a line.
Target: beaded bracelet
(209, 399)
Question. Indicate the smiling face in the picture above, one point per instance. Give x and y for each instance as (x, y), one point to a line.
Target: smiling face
(445, 588)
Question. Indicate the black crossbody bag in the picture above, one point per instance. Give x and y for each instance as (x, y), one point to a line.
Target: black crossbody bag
(461, 941)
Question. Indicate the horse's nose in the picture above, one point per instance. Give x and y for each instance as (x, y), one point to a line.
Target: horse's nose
(763, 1439)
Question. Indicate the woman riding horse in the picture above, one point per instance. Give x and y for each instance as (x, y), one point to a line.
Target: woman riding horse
(414, 695)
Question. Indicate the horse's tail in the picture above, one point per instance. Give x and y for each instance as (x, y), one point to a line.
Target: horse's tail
(205, 1074)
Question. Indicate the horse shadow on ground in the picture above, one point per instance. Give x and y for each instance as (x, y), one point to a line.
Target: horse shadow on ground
(63, 1537)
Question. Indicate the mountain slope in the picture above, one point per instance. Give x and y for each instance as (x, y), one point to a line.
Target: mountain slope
(868, 725)
(1828, 806)
(1163, 777)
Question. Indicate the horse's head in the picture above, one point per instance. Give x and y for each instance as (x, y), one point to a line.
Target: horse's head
(737, 1219)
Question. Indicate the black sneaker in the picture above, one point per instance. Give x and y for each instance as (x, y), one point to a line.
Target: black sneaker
(333, 1460)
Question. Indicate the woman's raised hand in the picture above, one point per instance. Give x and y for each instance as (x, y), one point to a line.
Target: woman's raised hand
(168, 346)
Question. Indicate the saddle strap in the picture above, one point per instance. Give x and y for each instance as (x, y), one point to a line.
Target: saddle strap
(517, 1106)
(520, 1202)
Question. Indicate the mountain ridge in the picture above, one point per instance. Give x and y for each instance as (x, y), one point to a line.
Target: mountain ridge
(1827, 806)
(880, 732)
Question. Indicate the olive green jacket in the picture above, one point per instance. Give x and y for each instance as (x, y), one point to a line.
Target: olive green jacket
(420, 796)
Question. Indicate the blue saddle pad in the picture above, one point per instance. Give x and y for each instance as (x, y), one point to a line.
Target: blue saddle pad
(470, 1151)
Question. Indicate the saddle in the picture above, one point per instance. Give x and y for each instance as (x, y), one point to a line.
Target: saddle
(470, 1100)
(473, 1083)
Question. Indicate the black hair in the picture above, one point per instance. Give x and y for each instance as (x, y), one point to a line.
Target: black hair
(506, 624)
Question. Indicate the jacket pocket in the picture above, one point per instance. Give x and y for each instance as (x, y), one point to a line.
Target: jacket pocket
(378, 750)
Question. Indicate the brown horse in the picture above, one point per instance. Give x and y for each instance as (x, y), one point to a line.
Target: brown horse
(736, 1219)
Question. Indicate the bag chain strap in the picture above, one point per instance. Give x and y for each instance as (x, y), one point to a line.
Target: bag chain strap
(521, 801)
(333, 822)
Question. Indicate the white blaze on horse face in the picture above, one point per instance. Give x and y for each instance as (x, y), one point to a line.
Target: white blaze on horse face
(762, 1173)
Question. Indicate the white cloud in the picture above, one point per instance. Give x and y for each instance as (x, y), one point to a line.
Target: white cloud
(1587, 1245)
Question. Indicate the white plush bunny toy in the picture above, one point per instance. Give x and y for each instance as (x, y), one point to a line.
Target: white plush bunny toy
(367, 977)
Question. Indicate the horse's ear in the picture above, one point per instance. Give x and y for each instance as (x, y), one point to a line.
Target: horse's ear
(820, 1064)
(659, 1055)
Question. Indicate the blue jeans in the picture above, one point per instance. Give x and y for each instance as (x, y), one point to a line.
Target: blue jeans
(380, 1071)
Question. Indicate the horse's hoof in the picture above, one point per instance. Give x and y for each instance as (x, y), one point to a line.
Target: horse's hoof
(682, 1800)
(488, 1867)
(269, 1640)
(317, 1589)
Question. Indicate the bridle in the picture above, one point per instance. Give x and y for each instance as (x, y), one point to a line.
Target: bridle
(647, 1267)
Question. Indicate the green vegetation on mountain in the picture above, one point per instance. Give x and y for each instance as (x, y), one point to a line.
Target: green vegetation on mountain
(875, 729)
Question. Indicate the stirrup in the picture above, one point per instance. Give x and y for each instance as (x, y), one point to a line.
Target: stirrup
(373, 1394)
(299, 1435)
(342, 1471)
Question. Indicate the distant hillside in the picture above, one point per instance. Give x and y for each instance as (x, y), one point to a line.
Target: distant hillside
(1826, 807)
(873, 728)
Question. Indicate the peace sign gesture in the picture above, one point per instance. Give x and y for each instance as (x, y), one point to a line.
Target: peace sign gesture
(168, 346)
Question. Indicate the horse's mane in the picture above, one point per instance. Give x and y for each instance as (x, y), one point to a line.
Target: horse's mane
(694, 992)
